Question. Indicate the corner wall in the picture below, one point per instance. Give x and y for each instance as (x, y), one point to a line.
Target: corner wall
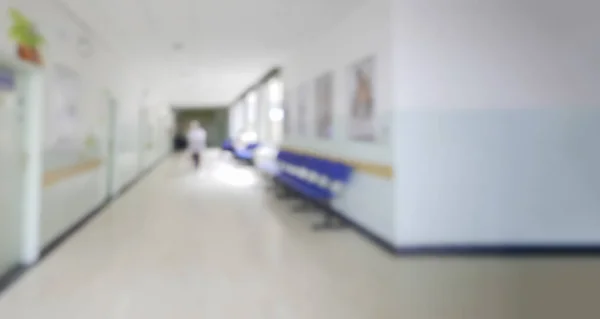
(496, 123)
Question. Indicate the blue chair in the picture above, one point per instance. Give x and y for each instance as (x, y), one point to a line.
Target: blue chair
(246, 153)
(252, 146)
(319, 181)
(227, 145)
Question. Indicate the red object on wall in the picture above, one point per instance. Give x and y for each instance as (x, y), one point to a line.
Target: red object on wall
(29, 54)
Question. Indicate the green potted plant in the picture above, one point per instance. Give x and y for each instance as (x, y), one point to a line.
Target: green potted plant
(28, 39)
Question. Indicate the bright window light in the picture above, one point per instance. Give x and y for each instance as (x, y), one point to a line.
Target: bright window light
(276, 114)
(251, 99)
(275, 91)
(249, 137)
(251, 107)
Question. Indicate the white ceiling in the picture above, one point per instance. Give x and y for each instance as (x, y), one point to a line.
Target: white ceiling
(227, 44)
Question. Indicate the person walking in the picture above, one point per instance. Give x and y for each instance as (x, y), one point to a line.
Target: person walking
(196, 142)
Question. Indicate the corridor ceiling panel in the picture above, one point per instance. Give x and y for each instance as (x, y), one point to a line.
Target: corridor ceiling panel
(207, 51)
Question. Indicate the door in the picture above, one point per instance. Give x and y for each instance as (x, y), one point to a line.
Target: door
(111, 151)
(12, 169)
(143, 139)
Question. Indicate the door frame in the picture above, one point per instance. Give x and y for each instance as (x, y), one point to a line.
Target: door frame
(32, 153)
(111, 151)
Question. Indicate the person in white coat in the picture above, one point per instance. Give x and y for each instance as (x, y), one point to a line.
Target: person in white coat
(196, 142)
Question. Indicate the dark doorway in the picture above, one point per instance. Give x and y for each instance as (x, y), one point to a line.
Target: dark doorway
(214, 120)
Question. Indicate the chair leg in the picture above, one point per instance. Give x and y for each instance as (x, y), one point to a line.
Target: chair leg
(271, 186)
(283, 193)
(302, 206)
(280, 194)
(330, 222)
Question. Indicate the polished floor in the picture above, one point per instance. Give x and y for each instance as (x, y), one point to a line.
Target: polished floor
(215, 245)
(208, 244)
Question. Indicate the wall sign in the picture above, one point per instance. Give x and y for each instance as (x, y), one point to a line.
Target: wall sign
(7, 80)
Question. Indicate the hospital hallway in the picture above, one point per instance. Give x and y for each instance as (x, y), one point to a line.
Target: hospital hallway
(212, 244)
(454, 142)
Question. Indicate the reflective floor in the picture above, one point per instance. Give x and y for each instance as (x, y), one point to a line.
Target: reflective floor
(207, 244)
(215, 245)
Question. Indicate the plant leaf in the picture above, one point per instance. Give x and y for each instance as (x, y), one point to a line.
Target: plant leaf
(18, 17)
(18, 33)
(38, 41)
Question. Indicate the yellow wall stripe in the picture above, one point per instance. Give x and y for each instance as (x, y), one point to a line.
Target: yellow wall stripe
(382, 170)
(53, 177)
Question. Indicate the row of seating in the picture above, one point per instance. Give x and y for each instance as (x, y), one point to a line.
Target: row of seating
(319, 181)
(316, 179)
(245, 153)
(227, 145)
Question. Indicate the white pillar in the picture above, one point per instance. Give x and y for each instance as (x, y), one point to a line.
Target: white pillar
(263, 122)
(34, 168)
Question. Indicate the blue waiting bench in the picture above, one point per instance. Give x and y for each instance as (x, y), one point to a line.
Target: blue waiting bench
(227, 146)
(316, 179)
(246, 153)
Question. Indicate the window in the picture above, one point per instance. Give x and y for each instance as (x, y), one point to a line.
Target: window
(252, 109)
(276, 112)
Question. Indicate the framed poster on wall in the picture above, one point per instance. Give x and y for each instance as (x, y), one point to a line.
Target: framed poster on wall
(324, 106)
(362, 115)
(302, 110)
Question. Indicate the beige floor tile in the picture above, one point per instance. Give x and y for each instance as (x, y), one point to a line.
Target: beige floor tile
(208, 244)
(214, 244)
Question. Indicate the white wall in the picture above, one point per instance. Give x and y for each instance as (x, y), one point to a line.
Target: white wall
(156, 139)
(85, 191)
(105, 71)
(496, 143)
(495, 122)
(365, 32)
(127, 156)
